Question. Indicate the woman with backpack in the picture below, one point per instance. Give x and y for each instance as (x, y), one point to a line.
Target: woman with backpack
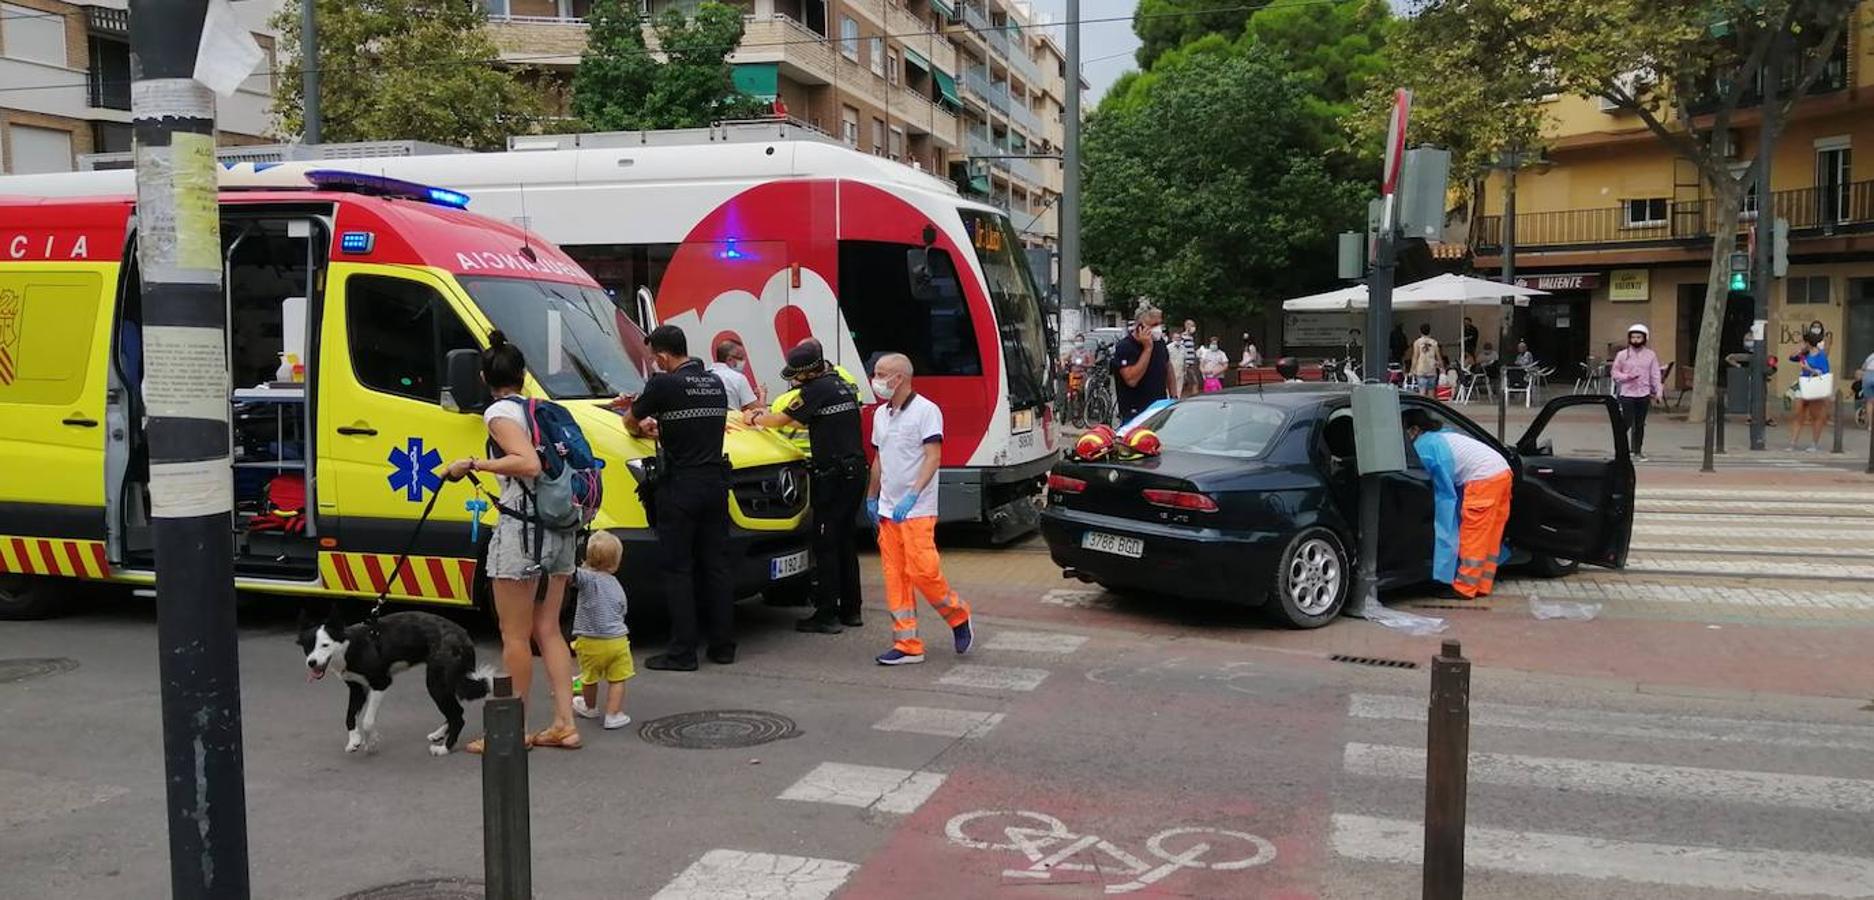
(522, 552)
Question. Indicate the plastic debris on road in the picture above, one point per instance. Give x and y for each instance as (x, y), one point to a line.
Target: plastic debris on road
(1400, 620)
(1562, 609)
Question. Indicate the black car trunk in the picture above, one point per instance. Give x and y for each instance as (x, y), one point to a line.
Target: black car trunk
(1117, 488)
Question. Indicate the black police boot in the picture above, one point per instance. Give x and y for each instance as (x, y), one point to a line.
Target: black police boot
(819, 623)
(722, 655)
(664, 662)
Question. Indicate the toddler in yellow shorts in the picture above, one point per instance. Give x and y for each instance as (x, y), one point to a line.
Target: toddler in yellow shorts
(600, 636)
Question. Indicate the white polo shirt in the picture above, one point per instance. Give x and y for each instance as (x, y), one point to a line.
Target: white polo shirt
(741, 393)
(900, 436)
(1474, 459)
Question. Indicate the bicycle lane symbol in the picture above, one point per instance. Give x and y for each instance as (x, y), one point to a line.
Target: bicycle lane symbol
(1050, 846)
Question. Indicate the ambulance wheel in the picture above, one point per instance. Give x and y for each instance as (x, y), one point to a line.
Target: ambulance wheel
(1311, 581)
(24, 597)
(1546, 566)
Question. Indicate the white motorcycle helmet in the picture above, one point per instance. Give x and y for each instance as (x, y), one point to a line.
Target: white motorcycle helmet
(1643, 331)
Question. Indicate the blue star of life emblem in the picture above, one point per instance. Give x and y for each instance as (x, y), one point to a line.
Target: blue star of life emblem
(413, 470)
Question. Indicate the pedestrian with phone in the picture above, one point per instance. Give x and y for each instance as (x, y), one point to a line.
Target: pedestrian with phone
(1142, 372)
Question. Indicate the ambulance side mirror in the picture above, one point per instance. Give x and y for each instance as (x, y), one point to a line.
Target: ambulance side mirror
(463, 389)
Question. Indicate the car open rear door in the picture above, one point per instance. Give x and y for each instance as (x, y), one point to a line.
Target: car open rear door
(1575, 507)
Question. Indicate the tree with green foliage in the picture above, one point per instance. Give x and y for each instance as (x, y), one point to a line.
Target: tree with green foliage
(1684, 67)
(421, 70)
(1206, 188)
(1336, 52)
(1164, 25)
(620, 85)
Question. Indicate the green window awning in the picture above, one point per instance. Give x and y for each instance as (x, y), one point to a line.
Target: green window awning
(917, 59)
(757, 79)
(947, 88)
(945, 7)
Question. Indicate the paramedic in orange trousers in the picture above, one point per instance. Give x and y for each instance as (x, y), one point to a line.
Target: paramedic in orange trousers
(907, 431)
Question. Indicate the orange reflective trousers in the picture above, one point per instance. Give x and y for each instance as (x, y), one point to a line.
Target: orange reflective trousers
(908, 553)
(1484, 511)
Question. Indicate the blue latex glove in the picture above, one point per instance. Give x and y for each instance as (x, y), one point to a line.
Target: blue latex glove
(871, 510)
(903, 510)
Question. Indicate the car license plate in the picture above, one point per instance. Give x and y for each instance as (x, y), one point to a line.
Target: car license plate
(1112, 543)
(783, 566)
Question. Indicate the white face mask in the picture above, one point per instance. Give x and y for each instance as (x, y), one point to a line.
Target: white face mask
(1158, 332)
(882, 387)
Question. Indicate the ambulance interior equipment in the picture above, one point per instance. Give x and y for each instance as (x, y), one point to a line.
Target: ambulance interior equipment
(272, 262)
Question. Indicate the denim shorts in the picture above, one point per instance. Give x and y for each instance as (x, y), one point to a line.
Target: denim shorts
(511, 551)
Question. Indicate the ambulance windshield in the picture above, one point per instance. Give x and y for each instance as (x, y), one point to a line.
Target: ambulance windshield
(575, 343)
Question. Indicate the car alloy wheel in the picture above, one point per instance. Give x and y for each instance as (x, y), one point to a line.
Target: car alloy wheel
(1315, 574)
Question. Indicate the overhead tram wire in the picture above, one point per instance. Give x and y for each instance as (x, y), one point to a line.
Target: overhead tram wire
(740, 45)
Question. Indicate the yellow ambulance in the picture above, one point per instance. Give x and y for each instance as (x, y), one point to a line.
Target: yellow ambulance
(346, 295)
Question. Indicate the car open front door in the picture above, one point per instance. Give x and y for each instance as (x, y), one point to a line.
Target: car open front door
(1576, 507)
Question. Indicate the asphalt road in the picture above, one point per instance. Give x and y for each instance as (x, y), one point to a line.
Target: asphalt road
(1704, 736)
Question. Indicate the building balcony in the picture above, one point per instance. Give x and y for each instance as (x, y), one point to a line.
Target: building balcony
(1811, 212)
(1024, 65)
(804, 55)
(1026, 119)
(996, 94)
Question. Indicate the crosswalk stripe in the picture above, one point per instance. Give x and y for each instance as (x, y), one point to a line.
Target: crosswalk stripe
(1623, 590)
(1750, 568)
(1647, 726)
(879, 788)
(952, 723)
(1765, 522)
(1626, 779)
(1373, 839)
(994, 678)
(1034, 642)
(1768, 496)
(739, 873)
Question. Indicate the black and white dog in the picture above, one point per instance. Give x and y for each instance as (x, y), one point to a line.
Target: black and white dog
(366, 658)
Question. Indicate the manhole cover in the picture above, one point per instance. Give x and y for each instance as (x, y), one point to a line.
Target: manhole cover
(423, 889)
(1377, 661)
(718, 729)
(12, 670)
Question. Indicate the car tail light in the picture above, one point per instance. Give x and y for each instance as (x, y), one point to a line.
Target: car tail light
(1181, 500)
(1061, 484)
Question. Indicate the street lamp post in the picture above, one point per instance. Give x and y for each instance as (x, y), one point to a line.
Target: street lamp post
(1511, 161)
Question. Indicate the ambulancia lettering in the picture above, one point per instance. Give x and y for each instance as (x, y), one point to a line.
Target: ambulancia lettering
(487, 260)
(48, 247)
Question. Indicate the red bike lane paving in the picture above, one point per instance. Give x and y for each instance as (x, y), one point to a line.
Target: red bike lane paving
(1197, 775)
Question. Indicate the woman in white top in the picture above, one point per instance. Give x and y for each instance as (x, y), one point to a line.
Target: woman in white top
(513, 567)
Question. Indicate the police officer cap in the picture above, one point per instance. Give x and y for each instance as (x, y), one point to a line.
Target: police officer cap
(805, 357)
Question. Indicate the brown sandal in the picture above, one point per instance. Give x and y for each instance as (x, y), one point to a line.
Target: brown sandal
(476, 746)
(564, 738)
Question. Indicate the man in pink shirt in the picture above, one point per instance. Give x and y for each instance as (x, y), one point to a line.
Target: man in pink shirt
(1637, 384)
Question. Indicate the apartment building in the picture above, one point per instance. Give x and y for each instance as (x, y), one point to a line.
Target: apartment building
(971, 89)
(65, 83)
(1619, 231)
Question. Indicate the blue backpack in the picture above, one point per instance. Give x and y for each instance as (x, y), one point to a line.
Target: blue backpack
(570, 488)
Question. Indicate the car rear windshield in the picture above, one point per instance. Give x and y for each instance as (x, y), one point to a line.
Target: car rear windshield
(1237, 428)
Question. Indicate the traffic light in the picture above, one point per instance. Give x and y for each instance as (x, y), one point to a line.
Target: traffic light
(1740, 271)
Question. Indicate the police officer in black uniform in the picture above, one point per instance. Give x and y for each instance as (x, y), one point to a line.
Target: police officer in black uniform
(686, 408)
(829, 407)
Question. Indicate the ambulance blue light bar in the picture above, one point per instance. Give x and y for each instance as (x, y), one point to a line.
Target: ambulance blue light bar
(382, 186)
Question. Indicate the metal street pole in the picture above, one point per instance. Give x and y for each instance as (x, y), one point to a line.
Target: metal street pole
(186, 390)
(1378, 325)
(1514, 158)
(1070, 182)
(309, 70)
(1447, 774)
(1764, 263)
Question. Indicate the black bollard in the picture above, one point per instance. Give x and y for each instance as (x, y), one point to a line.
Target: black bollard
(1717, 416)
(507, 843)
(1835, 409)
(1447, 757)
(1711, 431)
